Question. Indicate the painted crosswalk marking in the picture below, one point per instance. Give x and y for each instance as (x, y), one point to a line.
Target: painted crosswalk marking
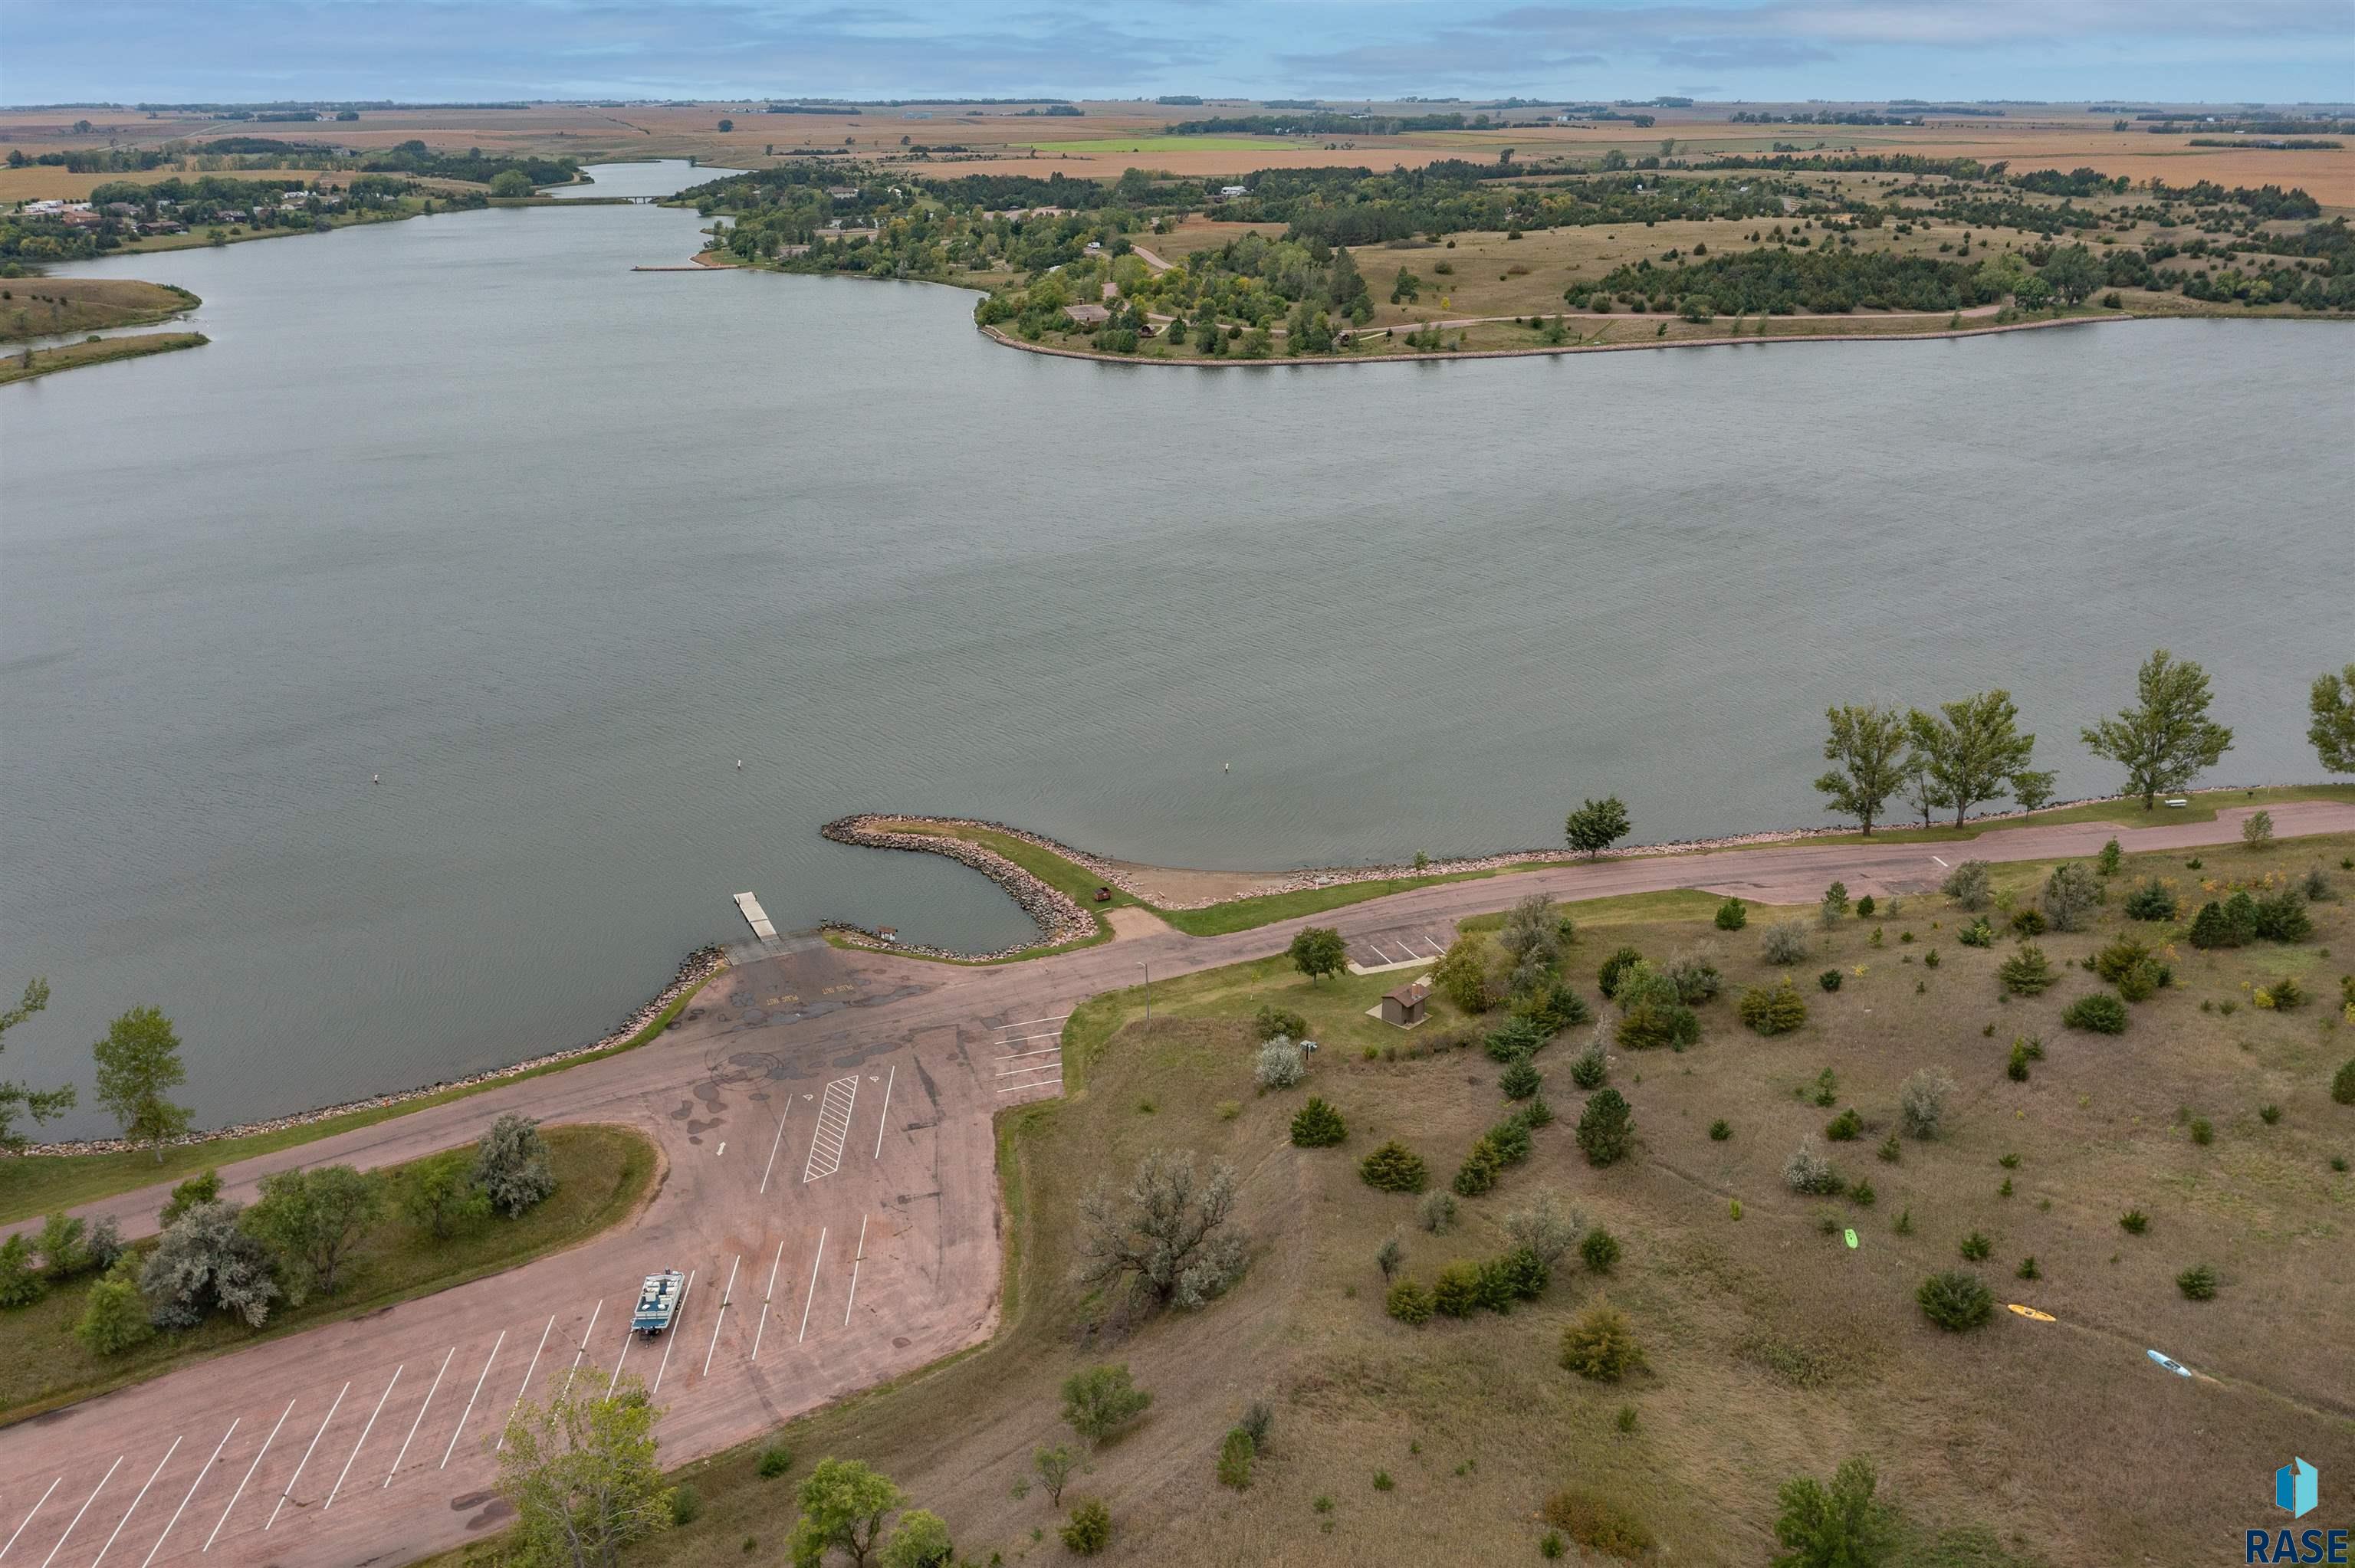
(832, 1127)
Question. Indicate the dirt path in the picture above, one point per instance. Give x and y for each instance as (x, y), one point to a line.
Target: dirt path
(826, 1119)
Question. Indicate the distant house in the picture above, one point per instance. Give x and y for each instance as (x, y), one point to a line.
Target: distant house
(1404, 1006)
(1087, 315)
(163, 226)
(843, 193)
(1229, 192)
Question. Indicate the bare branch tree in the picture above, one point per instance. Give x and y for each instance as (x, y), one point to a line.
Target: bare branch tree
(1170, 1235)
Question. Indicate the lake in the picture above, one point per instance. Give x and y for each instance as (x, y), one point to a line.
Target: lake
(549, 546)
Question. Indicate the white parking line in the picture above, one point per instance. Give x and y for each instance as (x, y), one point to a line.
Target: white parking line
(84, 1509)
(1055, 1066)
(355, 1454)
(266, 1442)
(421, 1409)
(1042, 1051)
(885, 1120)
(463, 1414)
(1026, 1023)
(832, 1127)
(628, 1339)
(305, 1459)
(854, 1270)
(774, 1142)
(586, 1332)
(525, 1386)
(135, 1503)
(202, 1472)
(1033, 1083)
(765, 1297)
(1026, 1038)
(813, 1288)
(678, 1322)
(28, 1518)
(722, 1318)
(1942, 863)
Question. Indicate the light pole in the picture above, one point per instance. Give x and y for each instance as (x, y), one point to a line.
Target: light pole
(1148, 992)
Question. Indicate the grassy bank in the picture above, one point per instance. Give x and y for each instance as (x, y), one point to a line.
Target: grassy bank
(36, 1184)
(603, 1174)
(52, 307)
(1771, 1348)
(28, 363)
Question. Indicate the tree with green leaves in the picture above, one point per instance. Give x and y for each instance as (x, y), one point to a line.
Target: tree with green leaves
(1317, 951)
(1596, 825)
(2166, 739)
(922, 1540)
(1868, 744)
(581, 1474)
(114, 1315)
(1921, 790)
(1970, 748)
(843, 1505)
(440, 1197)
(16, 1099)
(1173, 1239)
(2332, 733)
(2032, 787)
(511, 1164)
(2072, 273)
(1836, 1527)
(314, 1220)
(1055, 1466)
(1100, 1401)
(138, 1066)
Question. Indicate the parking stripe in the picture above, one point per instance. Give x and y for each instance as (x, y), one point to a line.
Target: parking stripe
(135, 1503)
(28, 1518)
(202, 1472)
(1033, 1083)
(525, 1387)
(774, 1142)
(1026, 1023)
(854, 1271)
(813, 1287)
(1042, 1051)
(60, 1546)
(266, 1442)
(463, 1414)
(585, 1333)
(364, 1437)
(766, 1298)
(722, 1318)
(421, 1409)
(885, 1120)
(297, 1476)
(628, 1339)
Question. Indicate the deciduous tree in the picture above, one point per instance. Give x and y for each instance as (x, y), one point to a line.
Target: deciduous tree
(1172, 1236)
(1867, 743)
(16, 1099)
(138, 1066)
(314, 1220)
(511, 1164)
(1596, 825)
(1101, 1400)
(1970, 748)
(843, 1507)
(2332, 704)
(581, 1474)
(1317, 951)
(2166, 739)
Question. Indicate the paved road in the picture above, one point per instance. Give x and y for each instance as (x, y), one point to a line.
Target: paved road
(825, 1120)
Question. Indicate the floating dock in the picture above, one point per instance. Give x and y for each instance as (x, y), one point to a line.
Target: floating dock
(756, 917)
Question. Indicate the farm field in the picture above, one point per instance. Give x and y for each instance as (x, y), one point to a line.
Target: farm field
(2081, 1183)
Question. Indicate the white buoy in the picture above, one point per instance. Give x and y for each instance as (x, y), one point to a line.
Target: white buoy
(740, 765)
(376, 778)
(1229, 768)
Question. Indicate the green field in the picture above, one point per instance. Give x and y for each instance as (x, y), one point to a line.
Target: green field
(1772, 1349)
(603, 1173)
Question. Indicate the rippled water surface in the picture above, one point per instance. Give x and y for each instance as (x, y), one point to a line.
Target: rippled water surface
(549, 546)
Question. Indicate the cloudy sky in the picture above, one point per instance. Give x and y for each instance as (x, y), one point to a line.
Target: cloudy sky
(2209, 50)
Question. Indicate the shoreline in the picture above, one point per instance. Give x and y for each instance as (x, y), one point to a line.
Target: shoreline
(1414, 358)
(693, 970)
(1061, 919)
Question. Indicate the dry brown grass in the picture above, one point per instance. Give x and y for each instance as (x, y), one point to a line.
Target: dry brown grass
(23, 364)
(1772, 1348)
(41, 307)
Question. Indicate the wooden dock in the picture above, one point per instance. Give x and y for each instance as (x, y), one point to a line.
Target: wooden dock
(756, 917)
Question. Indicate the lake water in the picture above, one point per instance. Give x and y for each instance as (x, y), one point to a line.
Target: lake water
(550, 545)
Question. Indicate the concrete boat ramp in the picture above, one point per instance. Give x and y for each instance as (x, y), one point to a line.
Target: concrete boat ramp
(756, 917)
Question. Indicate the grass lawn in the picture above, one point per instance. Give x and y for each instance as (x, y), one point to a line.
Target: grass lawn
(45, 1184)
(603, 1173)
(26, 364)
(1771, 1348)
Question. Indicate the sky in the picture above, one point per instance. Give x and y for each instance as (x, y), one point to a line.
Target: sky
(2279, 51)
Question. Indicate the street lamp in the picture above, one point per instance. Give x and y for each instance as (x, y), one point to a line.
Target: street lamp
(1148, 992)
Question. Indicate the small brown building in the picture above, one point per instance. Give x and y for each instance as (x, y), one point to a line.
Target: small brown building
(1404, 1006)
(1087, 315)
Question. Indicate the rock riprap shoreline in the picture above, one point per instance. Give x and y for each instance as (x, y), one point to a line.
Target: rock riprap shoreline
(1058, 915)
(693, 970)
